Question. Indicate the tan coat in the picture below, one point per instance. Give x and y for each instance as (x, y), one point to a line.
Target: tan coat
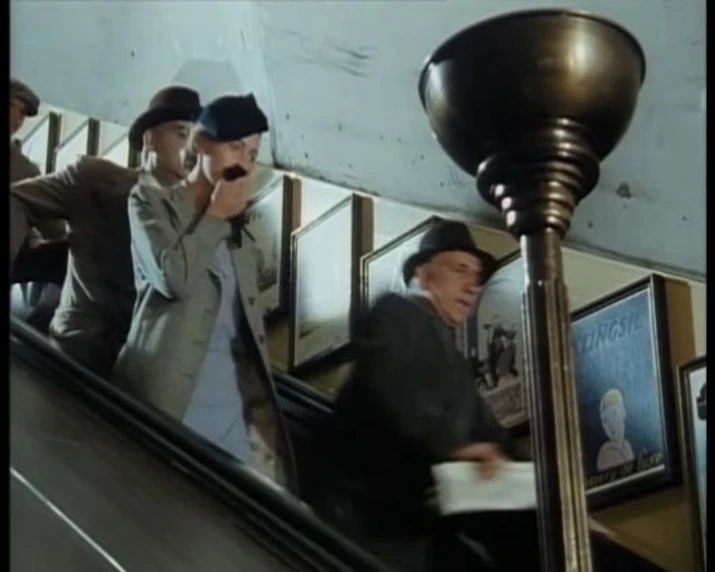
(178, 297)
(20, 166)
(97, 299)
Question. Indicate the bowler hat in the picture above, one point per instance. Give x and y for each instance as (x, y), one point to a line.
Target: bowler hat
(231, 118)
(22, 92)
(173, 103)
(444, 236)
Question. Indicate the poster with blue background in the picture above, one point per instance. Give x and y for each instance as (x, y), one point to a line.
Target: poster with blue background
(620, 388)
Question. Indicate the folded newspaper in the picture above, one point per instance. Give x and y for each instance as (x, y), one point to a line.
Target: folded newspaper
(460, 488)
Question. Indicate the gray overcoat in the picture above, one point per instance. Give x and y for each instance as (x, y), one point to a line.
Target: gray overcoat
(178, 296)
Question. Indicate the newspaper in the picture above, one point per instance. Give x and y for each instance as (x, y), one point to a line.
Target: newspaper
(460, 488)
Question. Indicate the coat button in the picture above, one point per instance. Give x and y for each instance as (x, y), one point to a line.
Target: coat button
(251, 300)
(261, 339)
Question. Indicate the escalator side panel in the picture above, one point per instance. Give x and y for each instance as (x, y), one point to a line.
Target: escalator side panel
(280, 524)
(42, 540)
(134, 506)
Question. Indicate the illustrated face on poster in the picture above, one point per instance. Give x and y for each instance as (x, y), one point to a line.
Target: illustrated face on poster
(697, 383)
(383, 273)
(617, 378)
(324, 258)
(265, 225)
(493, 343)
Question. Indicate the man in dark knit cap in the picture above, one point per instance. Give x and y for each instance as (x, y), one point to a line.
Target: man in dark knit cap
(197, 344)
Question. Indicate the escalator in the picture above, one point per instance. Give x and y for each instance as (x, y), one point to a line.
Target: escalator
(92, 486)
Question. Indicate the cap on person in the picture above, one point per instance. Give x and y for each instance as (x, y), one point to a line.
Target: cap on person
(231, 118)
(21, 91)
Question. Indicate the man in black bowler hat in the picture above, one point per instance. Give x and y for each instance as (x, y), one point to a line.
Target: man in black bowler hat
(411, 400)
(197, 344)
(93, 316)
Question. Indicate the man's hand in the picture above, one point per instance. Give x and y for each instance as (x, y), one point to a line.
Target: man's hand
(488, 455)
(229, 199)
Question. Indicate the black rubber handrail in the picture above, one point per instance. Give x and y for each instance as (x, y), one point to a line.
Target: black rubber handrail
(282, 526)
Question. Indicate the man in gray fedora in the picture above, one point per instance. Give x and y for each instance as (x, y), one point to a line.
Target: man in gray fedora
(98, 293)
(23, 103)
(34, 296)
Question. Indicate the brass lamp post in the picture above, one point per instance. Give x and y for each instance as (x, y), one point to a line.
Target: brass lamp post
(530, 103)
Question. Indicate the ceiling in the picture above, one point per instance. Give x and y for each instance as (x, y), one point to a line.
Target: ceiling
(339, 83)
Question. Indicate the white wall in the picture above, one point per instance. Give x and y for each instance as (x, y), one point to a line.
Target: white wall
(339, 83)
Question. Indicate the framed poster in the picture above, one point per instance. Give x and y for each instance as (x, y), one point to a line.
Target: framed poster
(82, 142)
(325, 276)
(693, 385)
(381, 270)
(621, 357)
(119, 152)
(493, 341)
(41, 141)
(271, 217)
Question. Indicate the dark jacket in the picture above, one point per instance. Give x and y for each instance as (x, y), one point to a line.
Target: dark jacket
(410, 402)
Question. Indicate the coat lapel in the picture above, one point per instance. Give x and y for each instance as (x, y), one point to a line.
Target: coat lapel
(244, 263)
(178, 201)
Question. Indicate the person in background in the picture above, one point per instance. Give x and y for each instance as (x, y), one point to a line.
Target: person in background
(197, 348)
(411, 400)
(98, 294)
(34, 295)
(23, 103)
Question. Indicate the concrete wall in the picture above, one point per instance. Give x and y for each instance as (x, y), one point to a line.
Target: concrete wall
(339, 83)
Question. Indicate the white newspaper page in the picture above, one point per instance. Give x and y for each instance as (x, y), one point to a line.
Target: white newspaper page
(460, 488)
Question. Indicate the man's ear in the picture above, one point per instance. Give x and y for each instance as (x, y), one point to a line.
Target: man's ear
(422, 273)
(148, 140)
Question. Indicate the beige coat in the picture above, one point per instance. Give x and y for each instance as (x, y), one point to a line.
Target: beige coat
(178, 297)
(95, 309)
(20, 166)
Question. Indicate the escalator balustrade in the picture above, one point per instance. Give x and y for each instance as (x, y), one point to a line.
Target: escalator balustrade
(309, 416)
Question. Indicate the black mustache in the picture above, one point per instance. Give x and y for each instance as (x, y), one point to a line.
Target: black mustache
(234, 172)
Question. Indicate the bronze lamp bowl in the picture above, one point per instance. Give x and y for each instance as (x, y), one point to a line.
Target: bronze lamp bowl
(546, 83)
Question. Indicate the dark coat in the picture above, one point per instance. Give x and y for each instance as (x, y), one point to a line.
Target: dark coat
(410, 402)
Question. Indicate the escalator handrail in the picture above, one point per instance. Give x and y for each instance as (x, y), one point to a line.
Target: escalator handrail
(293, 388)
(282, 524)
